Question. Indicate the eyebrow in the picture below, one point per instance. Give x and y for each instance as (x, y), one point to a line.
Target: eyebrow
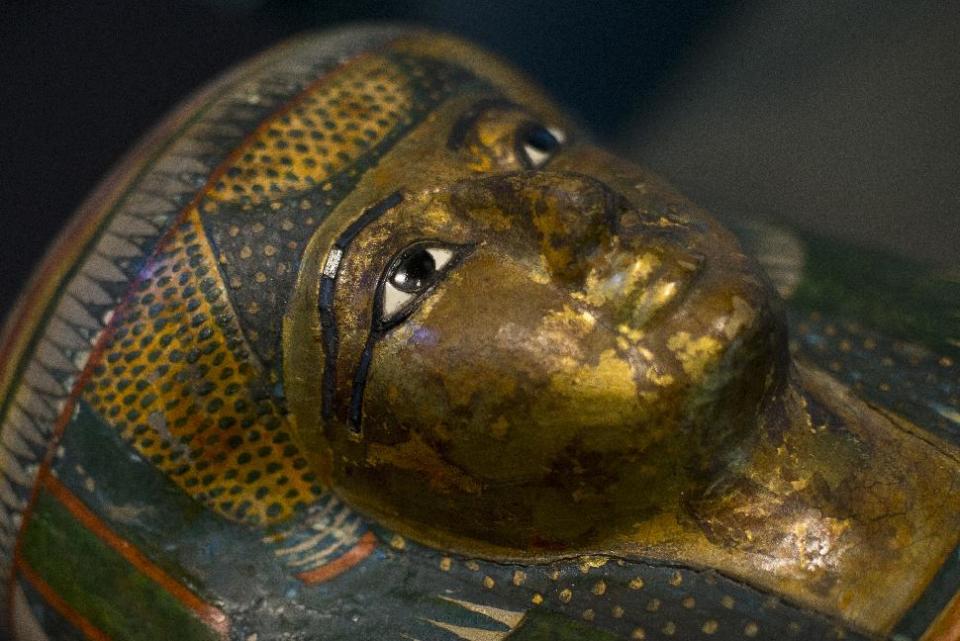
(328, 282)
(460, 129)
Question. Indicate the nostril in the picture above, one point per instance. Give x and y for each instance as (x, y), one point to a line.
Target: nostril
(640, 229)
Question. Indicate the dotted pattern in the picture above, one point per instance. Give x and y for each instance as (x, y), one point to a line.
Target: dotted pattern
(298, 167)
(635, 600)
(905, 377)
(327, 129)
(176, 381)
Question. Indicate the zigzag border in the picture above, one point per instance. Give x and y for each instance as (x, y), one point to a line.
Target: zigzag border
(70, 303)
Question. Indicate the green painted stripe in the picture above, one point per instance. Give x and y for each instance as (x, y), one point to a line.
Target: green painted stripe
(101, 585)
(540, 625)
(897, 296)
(94, 453)
(192, 544)
(54, 625)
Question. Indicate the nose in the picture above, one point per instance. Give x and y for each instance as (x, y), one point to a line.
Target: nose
(578, 202)
(575, 217)
(629, 264)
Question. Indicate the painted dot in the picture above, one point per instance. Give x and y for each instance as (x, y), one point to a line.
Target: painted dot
(689, 602)
(751, 629)
(246, 252)
(638, 633)
(710, 626)
(653, 605)
(727, 601)
(537, 598)
(565, 595)
(669, 629)
(636, 584)
(445, 563)
(397, 542)
(589, 615)
(599, 588)
(676, 579)
(617, 612)
(519, 577)
(473, 566)
(488, 582)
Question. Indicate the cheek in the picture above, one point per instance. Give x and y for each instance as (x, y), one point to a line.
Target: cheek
(470, 335)
(504, 379)
(465, 365)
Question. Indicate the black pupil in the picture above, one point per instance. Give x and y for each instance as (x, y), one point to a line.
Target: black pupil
(541, 139)
(414, 271)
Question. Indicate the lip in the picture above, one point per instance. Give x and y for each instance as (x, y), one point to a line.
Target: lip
(667, 289)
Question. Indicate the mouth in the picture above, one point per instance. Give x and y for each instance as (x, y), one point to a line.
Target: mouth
(666, 290)
(672, 239)
(648, 266)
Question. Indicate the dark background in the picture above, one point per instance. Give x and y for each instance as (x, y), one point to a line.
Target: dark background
(838, 116)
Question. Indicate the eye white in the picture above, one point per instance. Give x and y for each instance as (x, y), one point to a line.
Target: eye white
(536, 157)
(441, 257)
(394, 300)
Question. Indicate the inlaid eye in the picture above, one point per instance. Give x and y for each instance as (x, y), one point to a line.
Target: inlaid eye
(415, 271)
(538, 144)
(411, 274)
